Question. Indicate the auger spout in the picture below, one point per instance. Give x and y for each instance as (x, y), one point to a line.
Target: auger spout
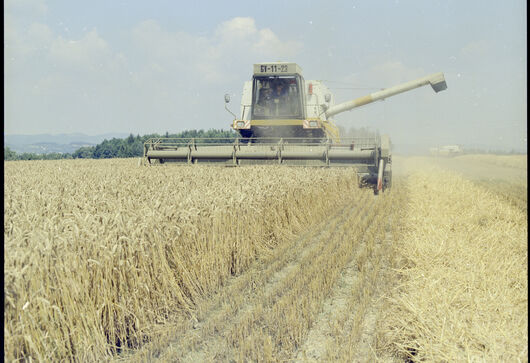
(436, 80)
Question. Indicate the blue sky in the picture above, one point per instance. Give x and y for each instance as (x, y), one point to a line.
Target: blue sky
(143, 67)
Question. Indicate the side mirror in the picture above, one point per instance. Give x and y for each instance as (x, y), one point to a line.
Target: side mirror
(327, 97)
(227, 98)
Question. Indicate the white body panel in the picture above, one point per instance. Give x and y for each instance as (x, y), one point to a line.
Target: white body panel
(246, 101)
(314, 101)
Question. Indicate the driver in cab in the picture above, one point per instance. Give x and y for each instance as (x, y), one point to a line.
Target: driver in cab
(279, 91)
(274, 99)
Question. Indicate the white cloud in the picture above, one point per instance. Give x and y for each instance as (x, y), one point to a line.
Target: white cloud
(394, 72)
(89, 52)
(385, 74)
(26, 7)
(243, 35)
(24, 44)
(236, 29)
(157, 75)
(268, 44)
(234, 45)
(39, 34)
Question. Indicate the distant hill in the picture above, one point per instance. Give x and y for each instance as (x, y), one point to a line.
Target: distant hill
(60, 143)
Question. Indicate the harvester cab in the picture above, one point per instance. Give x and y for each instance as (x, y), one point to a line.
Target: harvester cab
(279, 103)
(287, 120)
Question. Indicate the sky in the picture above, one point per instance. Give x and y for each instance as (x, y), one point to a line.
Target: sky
(159, 66)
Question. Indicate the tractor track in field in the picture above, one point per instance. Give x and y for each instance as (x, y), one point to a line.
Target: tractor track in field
(344, 312)
(241, 310)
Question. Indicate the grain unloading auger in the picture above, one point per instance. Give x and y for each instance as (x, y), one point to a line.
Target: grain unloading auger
(286, 120)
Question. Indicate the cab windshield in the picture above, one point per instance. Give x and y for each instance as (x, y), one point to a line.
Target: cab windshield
(276, 97)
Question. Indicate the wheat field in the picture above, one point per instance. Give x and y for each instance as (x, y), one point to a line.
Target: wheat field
(461, 272)
(98, 253)
(106, 260)
(512, 161)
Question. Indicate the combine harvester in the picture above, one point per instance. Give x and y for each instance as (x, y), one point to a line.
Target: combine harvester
(287, 120)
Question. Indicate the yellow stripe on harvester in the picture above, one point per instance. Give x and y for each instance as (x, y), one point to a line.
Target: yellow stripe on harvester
(276, 122)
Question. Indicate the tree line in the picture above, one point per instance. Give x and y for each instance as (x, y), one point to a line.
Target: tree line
(131, 146)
